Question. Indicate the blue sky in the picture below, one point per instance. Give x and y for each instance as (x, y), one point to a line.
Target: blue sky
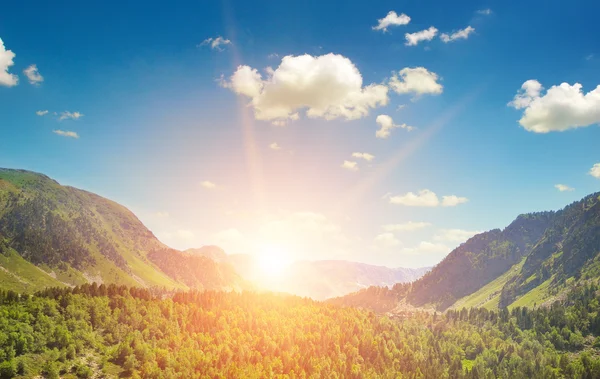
(162, 115)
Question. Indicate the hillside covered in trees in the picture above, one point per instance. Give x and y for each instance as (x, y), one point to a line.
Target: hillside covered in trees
(112, 331)
(53, 235)
(536, 258)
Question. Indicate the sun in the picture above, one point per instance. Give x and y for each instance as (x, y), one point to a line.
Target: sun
(272, 261)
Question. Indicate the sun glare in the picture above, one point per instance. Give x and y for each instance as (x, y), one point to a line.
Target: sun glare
(272, 261)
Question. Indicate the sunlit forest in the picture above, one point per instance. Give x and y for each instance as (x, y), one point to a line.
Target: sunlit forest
(106, 331)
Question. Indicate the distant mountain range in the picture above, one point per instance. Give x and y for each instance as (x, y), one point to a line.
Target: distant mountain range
(531, 262)
(317, 279)
(54, 235)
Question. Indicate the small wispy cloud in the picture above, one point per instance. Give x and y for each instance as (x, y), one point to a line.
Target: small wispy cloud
(41, 113)
(350, 165)
(391, 19)
(216, 43)
(413, 39)
(485, 12)
(66, 133)
(70, 115)
(208, 184)
(386, 125)
(274, 146)
(563, 187)
(459, 34)
(33, 74)
(366, 156)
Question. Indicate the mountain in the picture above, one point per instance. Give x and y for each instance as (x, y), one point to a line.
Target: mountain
(531, 262)
(325, 279)
(54, 235)
(209, 251)
(331, 278)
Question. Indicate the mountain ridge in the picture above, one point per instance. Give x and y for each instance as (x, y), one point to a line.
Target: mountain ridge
(536, 257)
(76, 236)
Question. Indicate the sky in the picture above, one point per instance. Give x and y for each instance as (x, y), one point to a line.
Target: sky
(386, 133)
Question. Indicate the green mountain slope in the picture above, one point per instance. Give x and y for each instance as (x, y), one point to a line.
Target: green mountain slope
(478, 261)
(75, 237)
(536, 259)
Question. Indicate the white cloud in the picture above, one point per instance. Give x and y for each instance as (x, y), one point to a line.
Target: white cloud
(427, 248)
(485, 12)
(274, 146)
(391, 19)
(386, 240)
(452, 200)
(350, 165)
(563, 107)
(400, 107)
(412, 39)
(366, 156)
(386, 125)
(66, 133)
(405, 227)
(33, 75)
(595, 171)
(162, 214)
(6, 60)
(216, 43)
(564, 187)
(327, 86)
(273, 55)
(529, 91)
(417, 80)
(68, 115)
(41, 113)
(426, 198)
(460, 34)
(208, 184)
(455, 235)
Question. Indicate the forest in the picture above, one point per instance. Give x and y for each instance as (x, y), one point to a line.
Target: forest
(111, 331)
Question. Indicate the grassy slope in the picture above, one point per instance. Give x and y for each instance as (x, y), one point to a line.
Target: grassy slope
(132, 239)
(487, 296)
(19, 275)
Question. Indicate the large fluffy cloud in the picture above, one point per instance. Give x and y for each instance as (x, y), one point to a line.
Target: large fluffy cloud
(417, 80)
(328, 86)
(6, 60)
(386, 125)
(561, 108)
(426, 198)
(413, 39)
(391, 19)
(459, 34)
